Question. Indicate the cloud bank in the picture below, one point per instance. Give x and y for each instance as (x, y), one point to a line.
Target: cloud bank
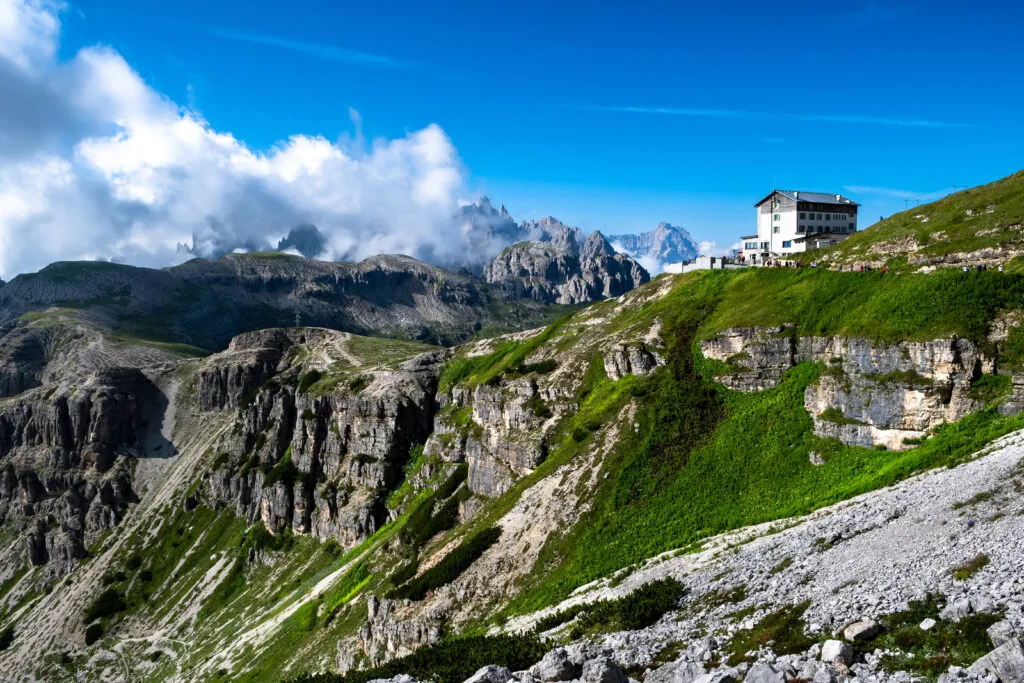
(94, 163)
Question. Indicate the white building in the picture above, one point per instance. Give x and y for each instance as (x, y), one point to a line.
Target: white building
(792, 222)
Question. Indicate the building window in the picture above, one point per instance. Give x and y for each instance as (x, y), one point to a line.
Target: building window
(803, 216)
(776, 230)
(787, 244)
(801, 228)
(852, 228)
(750, 245)
(819, 216)
(776, 216)
(828, 216)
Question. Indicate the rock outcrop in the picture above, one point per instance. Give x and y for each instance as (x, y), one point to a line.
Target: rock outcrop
(869, 393)
(386, 635)
(314, 458)
(68, 449)
(497, 430)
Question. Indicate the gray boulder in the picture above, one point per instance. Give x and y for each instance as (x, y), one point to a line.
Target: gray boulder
(764, 673)
(836, 652)
(491, 674)
(865, 629)
(1006, 662)
(824, 674)
(955, 611)
(676, 672)
(602, 670)
(554, 666)
(1000, 633)
(719, 676)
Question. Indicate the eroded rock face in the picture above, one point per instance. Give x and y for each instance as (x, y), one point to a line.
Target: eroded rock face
(631, 360)
(68, 474)
(496, 430)
(387, 634)
(566, 273)
(23, 357)
(870, 393)
(317, 463)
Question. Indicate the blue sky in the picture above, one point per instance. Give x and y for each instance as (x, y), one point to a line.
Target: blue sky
(611, 116)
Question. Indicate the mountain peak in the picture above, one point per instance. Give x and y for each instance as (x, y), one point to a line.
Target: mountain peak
(664, 244)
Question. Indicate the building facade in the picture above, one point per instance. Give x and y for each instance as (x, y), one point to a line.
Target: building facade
(791, 222)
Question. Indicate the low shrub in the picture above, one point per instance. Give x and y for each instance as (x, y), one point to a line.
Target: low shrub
(450, 567)
(536, 405)
(640, 609)
(309, 379)
(785, 628)
(107, 604)
(541, 367)
(930, 653)
(969, 569)
(6, 638)
(93, 633)
(358, 383)
(453, 660)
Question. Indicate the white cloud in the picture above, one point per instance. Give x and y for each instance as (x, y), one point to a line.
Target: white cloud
(94, 163)
(711, 248)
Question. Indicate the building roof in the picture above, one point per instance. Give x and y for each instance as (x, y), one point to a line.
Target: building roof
(800, 196)
(749, 237)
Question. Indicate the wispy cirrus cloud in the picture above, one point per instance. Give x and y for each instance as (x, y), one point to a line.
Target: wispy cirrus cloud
(896, 193)
(741, 114)
(331, 53)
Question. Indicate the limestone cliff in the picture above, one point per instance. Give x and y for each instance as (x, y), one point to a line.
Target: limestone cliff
(870, 393)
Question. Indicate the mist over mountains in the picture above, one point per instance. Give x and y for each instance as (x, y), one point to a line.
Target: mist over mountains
(96, 164)
(483, 233)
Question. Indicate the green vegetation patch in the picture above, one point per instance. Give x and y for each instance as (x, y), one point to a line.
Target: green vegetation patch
(784, 629)
(107, 604)
(970, 568)
(833, 414)
(450, 567)
(870, 305)
(988, 388)
(453, 660)
(930, 653)
(640, 609)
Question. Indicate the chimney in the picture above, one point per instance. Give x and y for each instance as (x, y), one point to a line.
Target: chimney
(796, 195)
(838, 197)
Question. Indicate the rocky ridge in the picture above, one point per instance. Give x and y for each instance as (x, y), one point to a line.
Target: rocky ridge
(568, 273)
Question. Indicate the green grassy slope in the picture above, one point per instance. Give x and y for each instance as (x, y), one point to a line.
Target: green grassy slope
(703, 459)
(985, 217)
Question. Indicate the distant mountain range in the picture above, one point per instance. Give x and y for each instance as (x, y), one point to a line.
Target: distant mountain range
(489, 230)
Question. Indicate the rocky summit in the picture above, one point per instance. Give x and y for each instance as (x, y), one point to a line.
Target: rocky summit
(211, 473)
